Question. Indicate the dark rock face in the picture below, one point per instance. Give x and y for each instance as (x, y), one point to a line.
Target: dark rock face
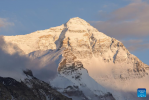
(10, 88)
(74, 91)
(69, 64)
(30, 89)
(28, 72)
(107, 96)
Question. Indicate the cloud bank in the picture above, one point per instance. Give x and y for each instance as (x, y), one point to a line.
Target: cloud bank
(129, 21)
(12, 65)
(136, 45)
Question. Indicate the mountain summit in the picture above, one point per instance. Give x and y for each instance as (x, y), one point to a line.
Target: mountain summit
(77, 22)
(88, 63)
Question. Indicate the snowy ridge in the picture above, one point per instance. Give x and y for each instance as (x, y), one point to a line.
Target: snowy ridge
(39, 40)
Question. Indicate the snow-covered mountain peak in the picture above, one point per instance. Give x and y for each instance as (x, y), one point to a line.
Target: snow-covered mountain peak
(77, 21)
(76, 29)
(84, 57)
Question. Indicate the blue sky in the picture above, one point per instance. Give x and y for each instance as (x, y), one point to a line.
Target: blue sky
(125, 20)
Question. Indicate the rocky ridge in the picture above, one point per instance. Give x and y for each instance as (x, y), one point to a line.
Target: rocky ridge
(29, 89)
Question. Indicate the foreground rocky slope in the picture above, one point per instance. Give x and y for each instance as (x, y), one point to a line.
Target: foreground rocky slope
(29, 89)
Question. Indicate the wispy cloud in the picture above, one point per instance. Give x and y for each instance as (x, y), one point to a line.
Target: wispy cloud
(139, 47)
(129, 21)
(5, 23)
(136, 45)
(132, 41)
(105, 6)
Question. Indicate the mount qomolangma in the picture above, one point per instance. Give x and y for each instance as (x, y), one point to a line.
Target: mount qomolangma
(88, 64)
